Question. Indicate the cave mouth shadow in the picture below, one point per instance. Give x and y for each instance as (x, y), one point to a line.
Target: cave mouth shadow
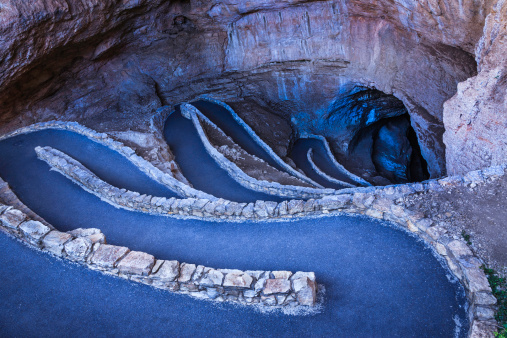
(379, 135)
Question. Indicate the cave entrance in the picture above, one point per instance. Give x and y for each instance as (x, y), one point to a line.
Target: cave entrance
(381, 144)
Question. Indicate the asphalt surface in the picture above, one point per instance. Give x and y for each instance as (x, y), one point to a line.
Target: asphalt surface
(199, 168)
(379, 281)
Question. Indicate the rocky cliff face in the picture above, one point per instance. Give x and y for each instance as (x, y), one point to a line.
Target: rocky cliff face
(475, 118)
(109, 64)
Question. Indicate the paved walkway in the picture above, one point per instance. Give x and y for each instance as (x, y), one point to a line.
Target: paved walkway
(379, 281)
(200, 169)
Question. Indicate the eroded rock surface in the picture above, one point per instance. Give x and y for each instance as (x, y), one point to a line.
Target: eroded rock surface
(109, 65)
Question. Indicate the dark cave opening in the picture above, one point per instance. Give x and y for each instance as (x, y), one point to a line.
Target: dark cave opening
(379, 140)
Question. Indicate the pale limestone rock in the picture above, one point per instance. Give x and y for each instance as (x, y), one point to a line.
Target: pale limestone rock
(55, 241)
(260, 209)
(459, 249)
(79, 248)
(242, 280)
(136, 263)
(213, 278)
(301, 274)
(248, 211)
(475, 277)
(282, 274)
(484, 298)
(306, 291)
(108, 255)
(12, 218)
(269, 300)
(276, 286)
(483, 329)
(282, 208)
(271, 207)
(484, 313)
(34, 231)
(186, 272)
(168, 271)
(295, 207)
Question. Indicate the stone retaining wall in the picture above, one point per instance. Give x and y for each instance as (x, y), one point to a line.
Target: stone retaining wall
(330, 154)
(309, 157)
(271, 188)
(88, 247)
(258, 140)
(149, 169)
(235, 172)
(385, 203)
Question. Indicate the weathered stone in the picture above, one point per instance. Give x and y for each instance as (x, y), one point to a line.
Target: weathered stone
(239, 209)
(212, 293)
(260, 209)
(276, 286)
(459, 249)
(198, 273)
(484, 298)
(282, 208)
(221, 206)
(362, 200)
(97, 238)
(213, 278)
(295, 207)
(271, 208)
(79, 248)
(269, 300)
(329, 203)
(55, 241)
(281, 274)
(242, 280)
(436, 232)
(136, 263)
(301, 274)
(374, 213)
(250, 293)
(231, 208)
(186, 272)
(382, 204)
(12, 218)
(168, 271)
(483, 329)
(411, 226)
(309, 206)
(93, 234)
(484, 313)
(306, 291)
(255, 274)
(280, 299)
(475, 277)
(248, 211)
(108, 255)
(209, 208)
(34, 231)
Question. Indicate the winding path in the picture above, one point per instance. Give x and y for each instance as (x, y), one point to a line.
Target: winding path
(379, 280)
(299, 156)
(224, 120)
(200, 168)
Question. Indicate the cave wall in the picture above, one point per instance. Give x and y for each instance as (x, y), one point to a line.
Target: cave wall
(476, 117)
(109, 64)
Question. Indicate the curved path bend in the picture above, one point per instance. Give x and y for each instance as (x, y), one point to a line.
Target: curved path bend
(299, 154)
(200, 168)
(379, 281)
(225, 121)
